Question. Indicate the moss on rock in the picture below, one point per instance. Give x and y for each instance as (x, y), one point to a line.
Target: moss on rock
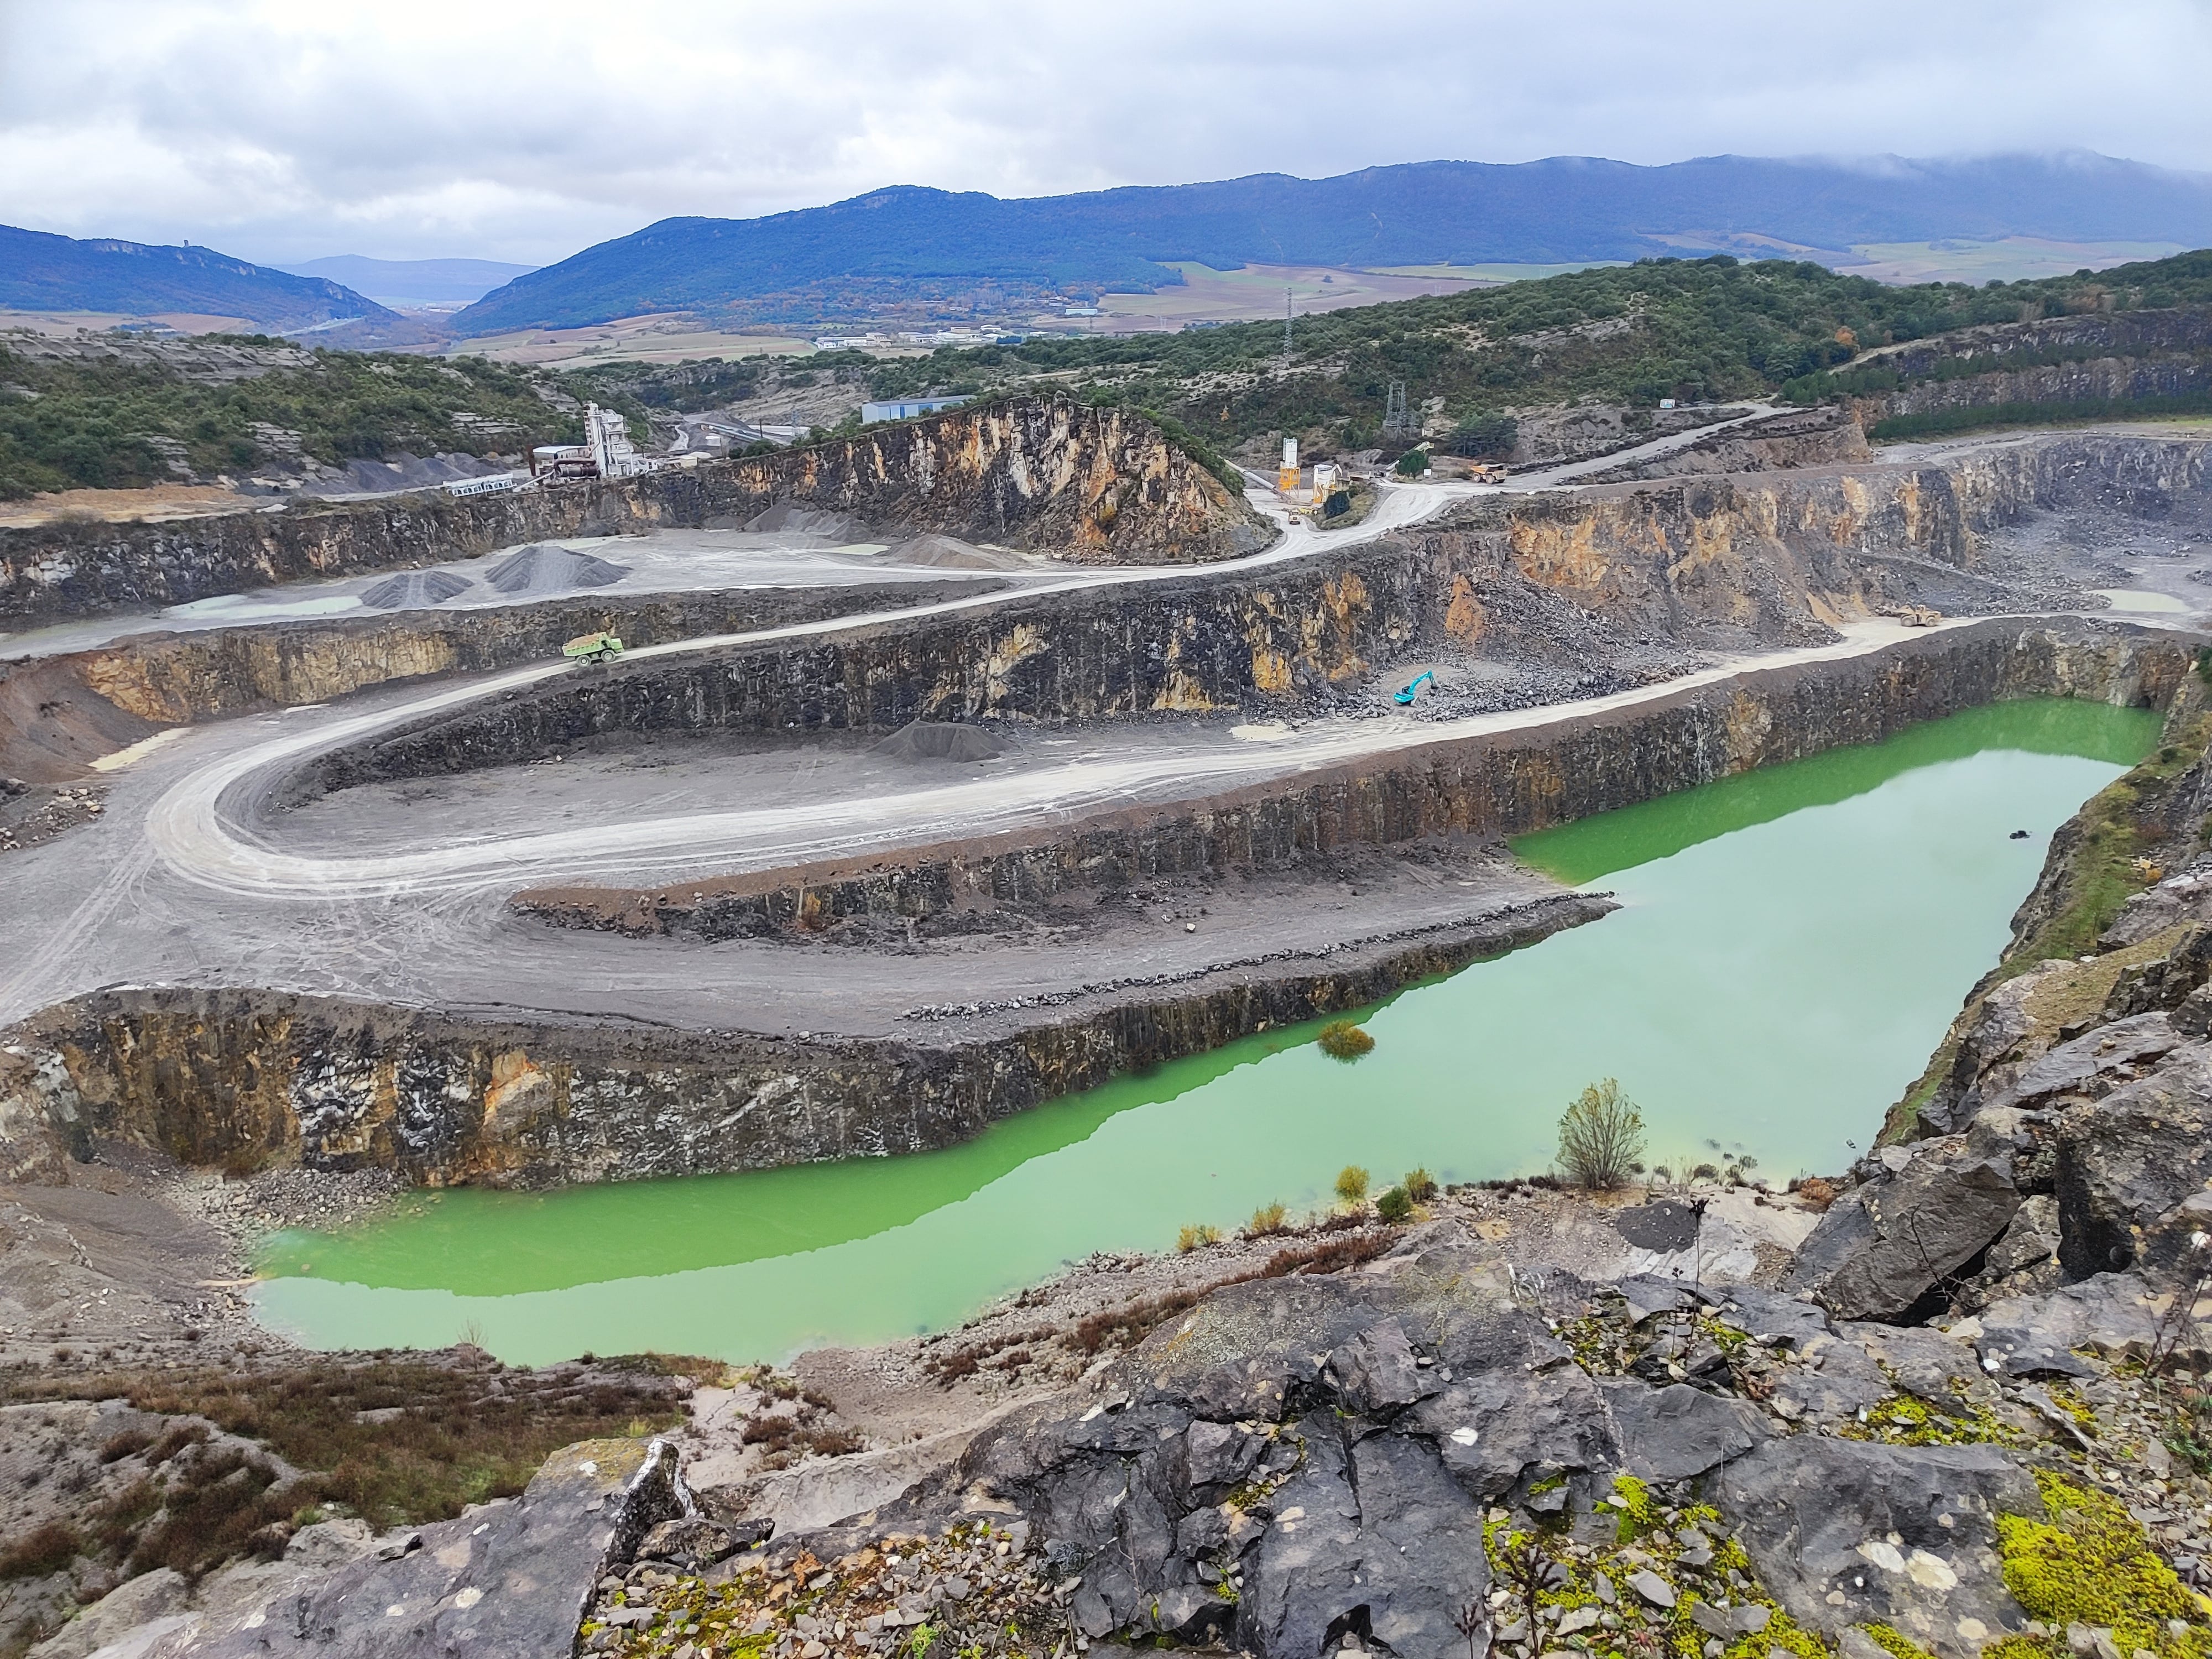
(2091, 1563)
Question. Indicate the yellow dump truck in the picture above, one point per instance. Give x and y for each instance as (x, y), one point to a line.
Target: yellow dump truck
(593, 647)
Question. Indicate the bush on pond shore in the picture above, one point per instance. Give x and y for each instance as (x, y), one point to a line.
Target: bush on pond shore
(1342, 1039)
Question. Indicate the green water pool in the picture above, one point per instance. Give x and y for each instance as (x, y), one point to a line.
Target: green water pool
(1792, 944)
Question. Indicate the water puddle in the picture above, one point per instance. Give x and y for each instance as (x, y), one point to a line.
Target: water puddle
(2145, 601)
(1793, 943)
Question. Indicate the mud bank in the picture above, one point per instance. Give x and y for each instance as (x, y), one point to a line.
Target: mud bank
(1100, 485)
(244, 1079)
(1484, 788)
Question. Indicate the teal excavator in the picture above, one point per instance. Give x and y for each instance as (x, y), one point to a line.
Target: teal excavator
(1404, 699)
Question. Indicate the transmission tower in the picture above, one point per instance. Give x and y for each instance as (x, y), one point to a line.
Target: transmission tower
(1396, 421)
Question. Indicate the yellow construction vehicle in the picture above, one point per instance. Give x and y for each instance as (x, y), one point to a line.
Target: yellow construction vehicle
(592, 648)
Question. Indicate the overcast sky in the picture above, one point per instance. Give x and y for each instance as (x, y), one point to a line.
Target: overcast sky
(526, 130)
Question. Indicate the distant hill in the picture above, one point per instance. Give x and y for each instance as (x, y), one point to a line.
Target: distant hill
(414, 281)
(848, 255)
(1697, 330)
(44, 272)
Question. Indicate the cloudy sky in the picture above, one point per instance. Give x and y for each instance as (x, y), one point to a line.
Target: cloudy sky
(526, 130)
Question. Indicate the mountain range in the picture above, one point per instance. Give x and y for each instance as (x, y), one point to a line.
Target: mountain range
(1566, 209)
(43, 272)
(918, 248)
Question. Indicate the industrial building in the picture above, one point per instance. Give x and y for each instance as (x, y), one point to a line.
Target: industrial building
(905, 409)
(606, 453)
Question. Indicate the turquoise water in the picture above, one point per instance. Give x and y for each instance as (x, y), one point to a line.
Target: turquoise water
(1792, 946)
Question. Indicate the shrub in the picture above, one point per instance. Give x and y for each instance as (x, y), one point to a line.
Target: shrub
(1342, 1039)
(1395, 1206)
(1192, 1237)
(1413, 464)
(1420, 1186)
(1600, 1136)
(1352, 1184)
(1268, 1219)
(43, 1550)
(1817, 1193)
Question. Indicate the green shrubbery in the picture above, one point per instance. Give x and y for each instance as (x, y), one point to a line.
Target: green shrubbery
(1600, 1138)
(107, 424)
(1690, 329)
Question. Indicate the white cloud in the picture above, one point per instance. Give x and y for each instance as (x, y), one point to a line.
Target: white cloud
(283, 132)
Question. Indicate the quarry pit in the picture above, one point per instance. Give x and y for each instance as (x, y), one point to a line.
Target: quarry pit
(876, 834)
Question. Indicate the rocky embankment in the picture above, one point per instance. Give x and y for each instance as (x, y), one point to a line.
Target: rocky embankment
(1817, 437)
(57, 713)
(1567, 594)
(1486, 788)
(244, 1079)
(2101, 362)
(1425, 1443)
(1099, 485)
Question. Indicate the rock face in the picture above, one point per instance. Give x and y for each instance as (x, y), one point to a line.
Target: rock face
(2093, 357)
(1817, 437)
(1099, 485)
(2127, 1162)
(1888, 1244)
(58, 713)
(1102, 485)
(1211, 647)
(1489, 786)
(513, 1578)
(338, 1086)
(1298, 1462)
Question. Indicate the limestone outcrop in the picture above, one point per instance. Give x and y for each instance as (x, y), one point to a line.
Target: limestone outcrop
(1050, 474)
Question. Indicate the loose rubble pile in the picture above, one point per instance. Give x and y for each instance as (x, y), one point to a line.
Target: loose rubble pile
(29, 815)
(976, 1589)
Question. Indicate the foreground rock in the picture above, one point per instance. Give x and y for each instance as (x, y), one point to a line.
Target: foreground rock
(509, 1579)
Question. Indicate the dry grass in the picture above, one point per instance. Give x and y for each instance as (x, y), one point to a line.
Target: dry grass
(458, 1434)
(37, 1552)
(1127, 1326)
